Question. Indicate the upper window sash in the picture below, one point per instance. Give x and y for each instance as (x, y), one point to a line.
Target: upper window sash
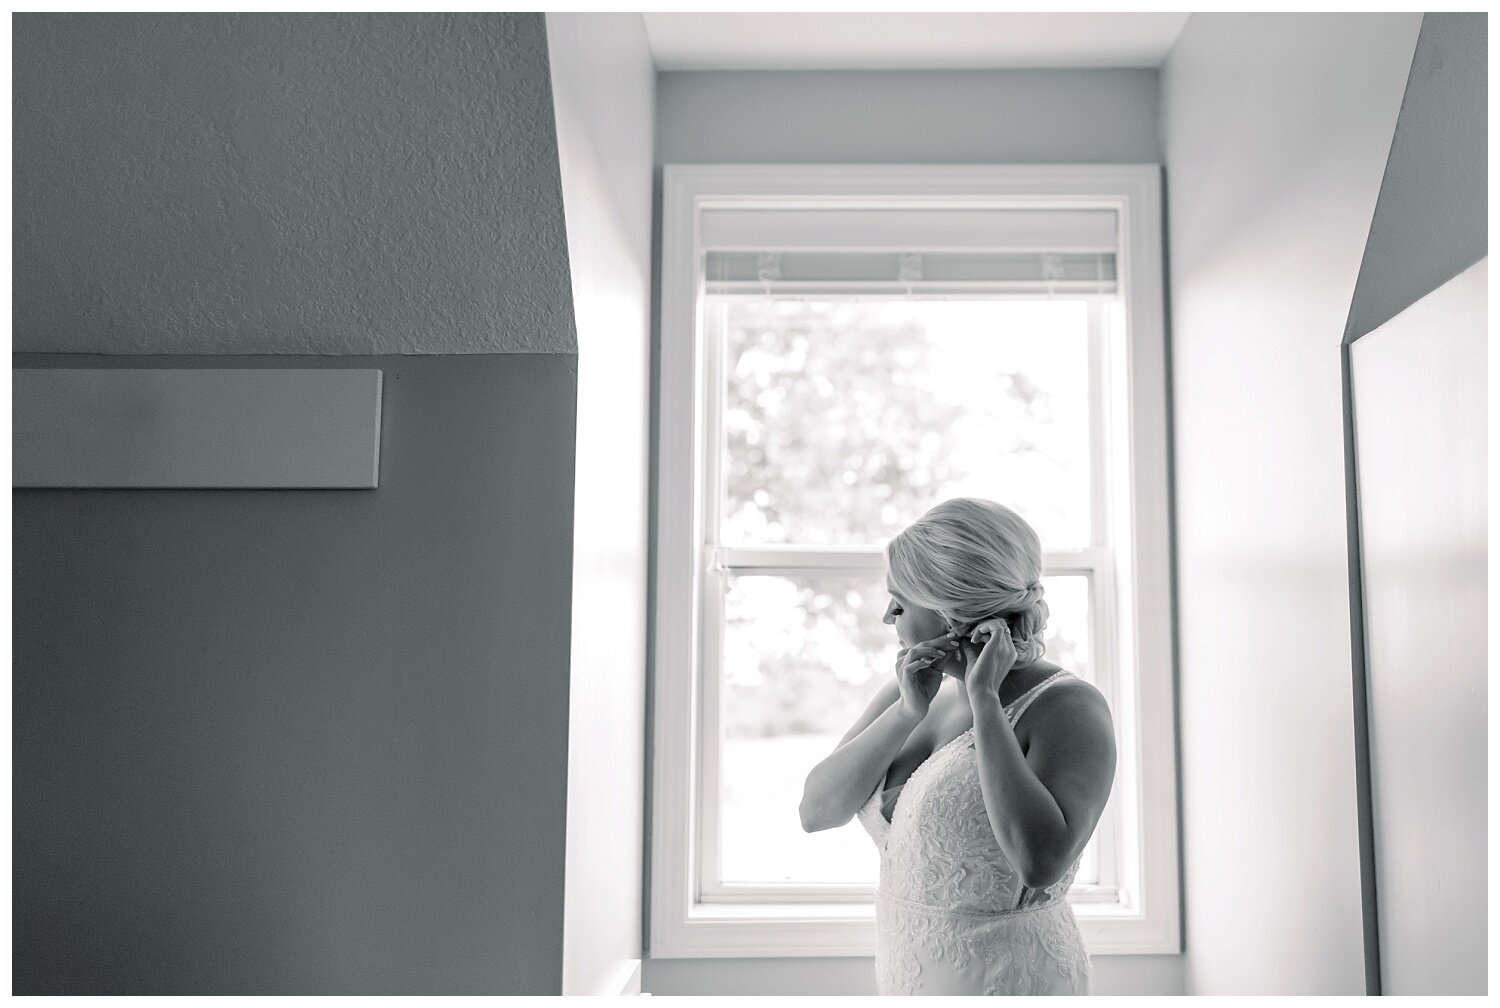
(1103, 331)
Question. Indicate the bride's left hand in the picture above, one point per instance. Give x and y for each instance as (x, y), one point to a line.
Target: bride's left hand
(989, 656)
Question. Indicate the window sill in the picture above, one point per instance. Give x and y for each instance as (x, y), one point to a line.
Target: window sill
(756, 930)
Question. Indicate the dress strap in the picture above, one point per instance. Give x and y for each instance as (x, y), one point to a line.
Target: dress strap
(1035, 691)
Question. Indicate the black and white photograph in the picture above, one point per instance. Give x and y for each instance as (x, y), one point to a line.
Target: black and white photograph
(758, 504)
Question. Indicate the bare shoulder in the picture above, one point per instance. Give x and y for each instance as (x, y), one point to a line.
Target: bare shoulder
(1072, 689)
(1072, 753)
(1073, 711)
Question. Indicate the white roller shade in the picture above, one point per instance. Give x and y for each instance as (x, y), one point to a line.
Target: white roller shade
(744, 229)
(915, 251)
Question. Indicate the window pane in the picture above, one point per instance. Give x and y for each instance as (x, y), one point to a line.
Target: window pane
(1069, 633)
(1088, 863)
(803, 654)
(845, 420)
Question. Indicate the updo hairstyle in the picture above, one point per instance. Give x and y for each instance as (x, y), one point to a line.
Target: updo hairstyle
(970, 559)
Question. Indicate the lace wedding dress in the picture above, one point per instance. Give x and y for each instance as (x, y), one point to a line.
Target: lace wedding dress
(951, 914)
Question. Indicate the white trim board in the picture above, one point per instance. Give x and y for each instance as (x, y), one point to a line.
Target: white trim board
(196, 428)
(1419, 396)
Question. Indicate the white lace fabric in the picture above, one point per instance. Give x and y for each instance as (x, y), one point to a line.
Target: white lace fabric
(952, 916)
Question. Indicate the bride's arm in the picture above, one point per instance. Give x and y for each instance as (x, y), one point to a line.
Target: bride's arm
(887, 695)
(844, 780)
(1042, 805)
(841, 783)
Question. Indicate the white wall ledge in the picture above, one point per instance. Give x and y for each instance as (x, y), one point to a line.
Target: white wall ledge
(196, 428)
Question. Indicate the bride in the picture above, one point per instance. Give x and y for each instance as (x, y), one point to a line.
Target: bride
(980, 814)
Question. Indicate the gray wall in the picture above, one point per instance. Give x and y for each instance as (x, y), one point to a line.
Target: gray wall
(282, 742)
(303, 742)
(285, 183)
(952, 117)
(1276, 129)
(1430, 220)
(908, 116)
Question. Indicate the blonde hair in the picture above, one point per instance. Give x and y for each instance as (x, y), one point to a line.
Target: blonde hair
(969, 560)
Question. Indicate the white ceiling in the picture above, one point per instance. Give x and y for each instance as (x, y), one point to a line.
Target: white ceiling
(880, 41)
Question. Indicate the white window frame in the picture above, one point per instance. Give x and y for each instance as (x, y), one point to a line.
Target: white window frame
(1138, 914)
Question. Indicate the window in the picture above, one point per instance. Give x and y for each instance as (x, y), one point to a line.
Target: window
(841, 348)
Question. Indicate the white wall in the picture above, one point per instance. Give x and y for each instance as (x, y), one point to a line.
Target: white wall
(1276, 130)
(1419, 401)
(603, 86)
(933, 117)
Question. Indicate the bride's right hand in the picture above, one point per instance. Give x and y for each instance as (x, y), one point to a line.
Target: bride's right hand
(917, 675)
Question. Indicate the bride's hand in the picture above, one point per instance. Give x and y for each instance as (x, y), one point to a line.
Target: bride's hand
(989, 655)
(917, 673)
